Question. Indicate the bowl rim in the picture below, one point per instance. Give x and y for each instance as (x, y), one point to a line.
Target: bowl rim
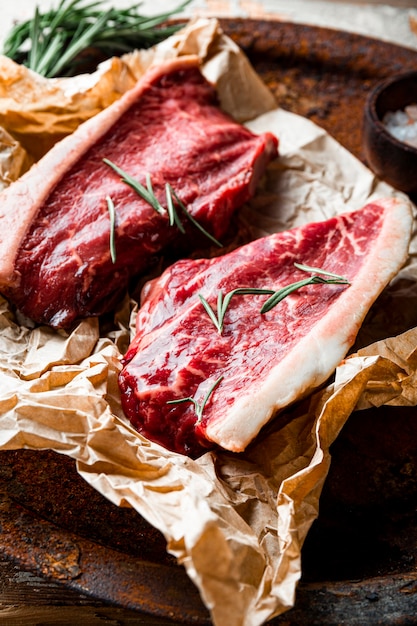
(370, 108)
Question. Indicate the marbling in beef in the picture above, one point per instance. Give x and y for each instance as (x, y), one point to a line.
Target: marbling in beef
(261, 362)
(55, 227)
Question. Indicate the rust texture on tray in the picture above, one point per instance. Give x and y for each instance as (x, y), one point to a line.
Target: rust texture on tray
(319, 73)
(56, 525)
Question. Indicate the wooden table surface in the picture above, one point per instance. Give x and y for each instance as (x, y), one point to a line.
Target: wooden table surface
(27, 599)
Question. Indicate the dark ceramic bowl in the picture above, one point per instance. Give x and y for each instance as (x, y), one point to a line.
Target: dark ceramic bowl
(392, 160)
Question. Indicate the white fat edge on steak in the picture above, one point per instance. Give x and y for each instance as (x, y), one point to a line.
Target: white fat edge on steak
(22, 200)
(318, 354)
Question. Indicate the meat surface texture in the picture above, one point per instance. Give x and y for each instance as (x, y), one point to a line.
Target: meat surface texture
(261, 362)
(55, 224)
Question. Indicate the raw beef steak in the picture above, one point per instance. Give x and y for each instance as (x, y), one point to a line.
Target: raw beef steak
(55, 224)
(261, 362)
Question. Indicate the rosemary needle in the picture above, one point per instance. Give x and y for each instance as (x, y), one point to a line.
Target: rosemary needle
(112, 215)
(173, 215)
(199, 407)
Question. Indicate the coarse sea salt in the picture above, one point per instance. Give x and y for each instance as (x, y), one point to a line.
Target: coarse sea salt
(403, 124)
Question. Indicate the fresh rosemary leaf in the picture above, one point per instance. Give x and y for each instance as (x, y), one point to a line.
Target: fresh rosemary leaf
(223, 303)
(173, 215)
(147, 194)
(279, 295)
(33, 31)
(150, 196)
(318, 270)
(199, 407)
(112, 215)
(212, 315)
(51, 42)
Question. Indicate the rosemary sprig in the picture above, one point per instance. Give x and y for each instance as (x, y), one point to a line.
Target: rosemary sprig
(223, 303)
(50, 42)
(332, 279)
(199, 407)
(276, 296)
(112, 215)
(147, 194)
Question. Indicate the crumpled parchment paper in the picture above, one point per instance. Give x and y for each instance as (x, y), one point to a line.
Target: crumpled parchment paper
(235, 522)
(14, 160)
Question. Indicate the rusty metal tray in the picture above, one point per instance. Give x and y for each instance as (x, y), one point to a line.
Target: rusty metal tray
(359, 557)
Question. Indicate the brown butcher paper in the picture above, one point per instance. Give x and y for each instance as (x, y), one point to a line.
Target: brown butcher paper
(235, 522)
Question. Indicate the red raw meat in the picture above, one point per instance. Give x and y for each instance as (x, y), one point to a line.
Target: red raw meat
(266, 361)
(55, 228)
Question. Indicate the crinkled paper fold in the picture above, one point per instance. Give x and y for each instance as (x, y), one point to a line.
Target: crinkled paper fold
(235, 522)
